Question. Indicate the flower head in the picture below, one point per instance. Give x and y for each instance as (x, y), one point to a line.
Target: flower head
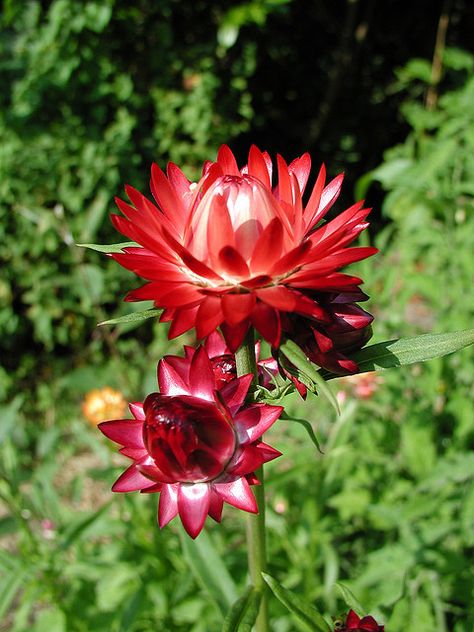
(233, 251)
(195, 442)
(327, 344)
(356, 624)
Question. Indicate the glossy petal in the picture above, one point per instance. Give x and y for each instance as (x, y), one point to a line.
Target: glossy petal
(125, 432)
(193, 505)
(238, 494)
(131, 481)
(253, 421)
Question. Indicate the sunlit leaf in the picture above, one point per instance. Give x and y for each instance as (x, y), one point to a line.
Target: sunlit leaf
(210, 570)
(243, 614)
(109, 248)
(396, 353)
(134, 317)
(305, 614)
(350, 600)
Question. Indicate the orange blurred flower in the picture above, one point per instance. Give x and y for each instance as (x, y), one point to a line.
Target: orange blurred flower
(102, 404)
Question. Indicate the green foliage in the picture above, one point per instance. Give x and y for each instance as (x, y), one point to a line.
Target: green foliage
(93, 92)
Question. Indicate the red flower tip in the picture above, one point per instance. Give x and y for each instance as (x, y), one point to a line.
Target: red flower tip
(355, 623)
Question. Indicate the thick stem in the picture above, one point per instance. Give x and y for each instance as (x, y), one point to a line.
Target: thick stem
(256, 545)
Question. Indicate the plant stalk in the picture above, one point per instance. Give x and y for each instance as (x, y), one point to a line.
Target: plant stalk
(256, 541)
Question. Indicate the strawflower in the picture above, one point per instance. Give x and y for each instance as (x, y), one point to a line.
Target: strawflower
(233, 251)
(196, 442)
(354, 623)
(103, 403)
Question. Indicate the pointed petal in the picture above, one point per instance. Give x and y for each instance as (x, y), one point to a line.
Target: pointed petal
(202, 381)
(215, 345)
(182, 320)
(268, 247)
(232, 263)
(131, 481)
(235, 392)
(237, 307)
(266, 321)
(168, 505)
(234, 335)
(125, 432)
(170, 381)
(216, 506)
(136, 408)
(193, 505)
(352, 620)
(209, 316)
(253, 421)
(257, 166)
(226, 160)
(238, 494)
(301, 167)
(251, 458)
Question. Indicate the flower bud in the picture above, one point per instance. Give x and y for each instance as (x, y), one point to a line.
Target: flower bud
(189, 439)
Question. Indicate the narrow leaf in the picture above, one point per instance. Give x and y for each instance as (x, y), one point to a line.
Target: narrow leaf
(307, 426)
(351, 600)
(298, 358)
(396, 353)
(209, 570)
(305, 613)
(243, 613)
(134, 317)
(109, 248)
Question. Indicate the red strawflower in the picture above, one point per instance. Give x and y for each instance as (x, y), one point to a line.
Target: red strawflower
(195, 444)
(326, 344)
(356, 624)
(230, 251)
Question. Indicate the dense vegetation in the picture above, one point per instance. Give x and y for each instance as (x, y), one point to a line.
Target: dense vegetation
(93, 92)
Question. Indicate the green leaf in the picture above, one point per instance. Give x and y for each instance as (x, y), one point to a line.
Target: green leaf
(350, 600)
(108, 248)
(244, 612)
(307, 426)
(77, 528)
(134, 317)
(307, 372)
(306, 614)
(9, 587)
(395, 353)
(209, 570)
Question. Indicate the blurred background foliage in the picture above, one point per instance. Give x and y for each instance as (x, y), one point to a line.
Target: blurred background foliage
(93, 92)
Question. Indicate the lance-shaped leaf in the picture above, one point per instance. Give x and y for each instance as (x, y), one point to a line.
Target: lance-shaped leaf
(209, 570)
(350, 599)
(307, 372)
(109, 248)
(396, 353)
(307, 426)
(306, 614)
(134, 317)
(243, 614)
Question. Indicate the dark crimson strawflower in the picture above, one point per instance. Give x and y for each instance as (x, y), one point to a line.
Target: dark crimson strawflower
(327, 344)
(196, 444)
(231, 251)
(355, 624)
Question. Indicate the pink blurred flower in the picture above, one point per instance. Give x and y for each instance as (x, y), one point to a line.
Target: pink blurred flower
(196, 442)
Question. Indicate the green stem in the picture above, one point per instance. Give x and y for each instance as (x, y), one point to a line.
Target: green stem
(256, 544)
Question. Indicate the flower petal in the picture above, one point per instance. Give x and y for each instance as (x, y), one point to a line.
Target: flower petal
(125, 432)
(235, 392)
(253, 421)
(238, 494)
(193, 505)
(170, 381)
(234, 335)
(202, 381)
(237, 307)
(168, 505)
(131, 481)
